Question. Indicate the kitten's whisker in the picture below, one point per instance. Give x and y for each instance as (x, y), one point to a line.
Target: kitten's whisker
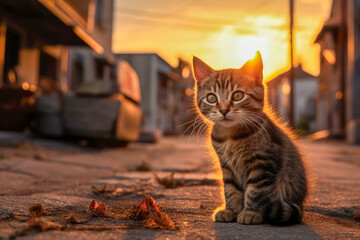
(202, 128)
(192, 125)
(266, 122)
(254, 116)
(189, 122)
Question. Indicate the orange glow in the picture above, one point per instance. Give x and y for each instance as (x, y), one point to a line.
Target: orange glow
(237, 49)
(286, 89)
(232, 33)
(32, 88)
(329, 56)
(339, 95)
(188, 92)
(12, 77)
(89, 40)
(25, 86)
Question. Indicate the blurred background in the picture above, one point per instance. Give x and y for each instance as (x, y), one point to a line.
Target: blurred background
(120, 70)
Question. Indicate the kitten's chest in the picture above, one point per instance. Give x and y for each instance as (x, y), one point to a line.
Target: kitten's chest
(231, 153)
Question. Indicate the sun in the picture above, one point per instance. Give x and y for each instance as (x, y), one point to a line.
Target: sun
(246, 47)
(231, 49)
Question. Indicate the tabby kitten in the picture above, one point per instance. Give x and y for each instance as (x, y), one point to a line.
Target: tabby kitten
(264, 176)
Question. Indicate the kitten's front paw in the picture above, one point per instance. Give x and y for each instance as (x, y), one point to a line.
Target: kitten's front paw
(249, 217)
(225, 216)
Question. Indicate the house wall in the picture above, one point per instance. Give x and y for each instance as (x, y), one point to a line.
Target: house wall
(160, 94)
(29, 63)
(146, 66)
(305, 91)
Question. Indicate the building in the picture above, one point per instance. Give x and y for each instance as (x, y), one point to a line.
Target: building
(163, 91)
(35, 36)
(305, 86)
(337, 100)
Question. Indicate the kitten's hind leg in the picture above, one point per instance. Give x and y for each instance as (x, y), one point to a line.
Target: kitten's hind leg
(225, 216)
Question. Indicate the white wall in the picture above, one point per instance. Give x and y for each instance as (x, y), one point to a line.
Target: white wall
(305, 91)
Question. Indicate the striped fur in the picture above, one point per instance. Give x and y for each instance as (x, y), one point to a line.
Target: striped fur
(263, 173)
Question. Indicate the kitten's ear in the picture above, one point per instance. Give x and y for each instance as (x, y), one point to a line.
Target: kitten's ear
(254, 67)
(201, 70)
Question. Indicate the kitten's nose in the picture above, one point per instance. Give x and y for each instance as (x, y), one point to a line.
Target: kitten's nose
(224, 111)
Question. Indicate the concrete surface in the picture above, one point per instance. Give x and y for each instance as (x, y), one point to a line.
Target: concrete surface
(61, 176)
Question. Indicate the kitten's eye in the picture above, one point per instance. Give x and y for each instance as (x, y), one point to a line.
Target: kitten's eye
(237, 96)
(211, 98)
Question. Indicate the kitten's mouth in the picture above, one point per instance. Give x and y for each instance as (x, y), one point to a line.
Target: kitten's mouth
(226, 120)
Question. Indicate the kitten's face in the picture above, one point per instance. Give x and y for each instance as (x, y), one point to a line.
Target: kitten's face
(230, 97)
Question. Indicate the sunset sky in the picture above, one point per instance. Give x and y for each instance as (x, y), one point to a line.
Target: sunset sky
(223, 33)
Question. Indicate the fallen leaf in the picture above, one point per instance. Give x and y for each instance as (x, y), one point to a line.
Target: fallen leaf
(39, 156)
(136, 189)
(357, 215)
(119, 191)
(37, 224)
(144, 167)
(100, 191)
(168, 181)
(71, 219)
(24, 146)
(97, 208)
(37, 209)
(151, 215)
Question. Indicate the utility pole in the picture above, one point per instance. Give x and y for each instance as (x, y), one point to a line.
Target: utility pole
(292, 73)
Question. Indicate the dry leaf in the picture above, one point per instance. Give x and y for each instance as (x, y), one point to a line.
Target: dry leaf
(71, 219)
(144, 167)
(37, 209)
(97, 208)
(357, 215)
(100, 191)
(169, 181)
(149, 212)
(24, 146)
(118, 191)
(37, 224)
(39, 156)
(136, 189)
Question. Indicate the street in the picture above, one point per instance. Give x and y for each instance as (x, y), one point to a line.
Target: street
(65, 178)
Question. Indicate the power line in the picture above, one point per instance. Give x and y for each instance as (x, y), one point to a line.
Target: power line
(177, 23)
(203, 24)
(165, 24)
(134, 11)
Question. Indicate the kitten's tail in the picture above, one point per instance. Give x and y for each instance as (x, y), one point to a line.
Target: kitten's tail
(283, 213)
